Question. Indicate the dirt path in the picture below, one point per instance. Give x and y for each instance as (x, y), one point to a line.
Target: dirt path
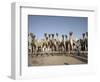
(53, 60)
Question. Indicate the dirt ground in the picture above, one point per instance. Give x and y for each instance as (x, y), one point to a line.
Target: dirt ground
(55, 60)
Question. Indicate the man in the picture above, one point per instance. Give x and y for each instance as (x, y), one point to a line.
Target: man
(57, 42)
(49, 42)
(66, 42)
(29, 42)
(33, 45)
(45, 42)
(86, 41)
(83, 42)
(62, 46)
(53, 46)
(30, 38)
(71, 41)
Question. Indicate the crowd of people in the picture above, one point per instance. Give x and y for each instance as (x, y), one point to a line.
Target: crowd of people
(51, 43)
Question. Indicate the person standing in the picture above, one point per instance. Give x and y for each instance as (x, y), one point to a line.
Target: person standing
(82, 41)
(86, 41)
(71, 41)
(66, 43)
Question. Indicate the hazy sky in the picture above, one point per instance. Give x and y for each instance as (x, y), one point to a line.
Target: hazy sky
(57, 24)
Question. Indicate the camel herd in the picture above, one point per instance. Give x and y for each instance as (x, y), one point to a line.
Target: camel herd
(52, 44)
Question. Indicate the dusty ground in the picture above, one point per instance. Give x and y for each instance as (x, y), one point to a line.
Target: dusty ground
(55, 60)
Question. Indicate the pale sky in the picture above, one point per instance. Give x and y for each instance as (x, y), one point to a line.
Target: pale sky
(57, 24)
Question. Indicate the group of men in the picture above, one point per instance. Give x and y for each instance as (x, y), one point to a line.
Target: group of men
(52, 43)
